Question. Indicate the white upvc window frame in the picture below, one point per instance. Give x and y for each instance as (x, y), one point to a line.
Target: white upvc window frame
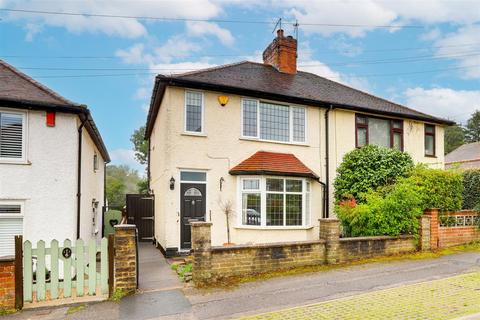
(290, 115)
(306, 216)
(24, 116)
(202, 131)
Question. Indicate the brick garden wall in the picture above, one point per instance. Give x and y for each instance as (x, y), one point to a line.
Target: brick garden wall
(7, 283)
(368, 247)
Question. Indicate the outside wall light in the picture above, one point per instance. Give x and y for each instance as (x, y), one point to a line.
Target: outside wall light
(172, 183)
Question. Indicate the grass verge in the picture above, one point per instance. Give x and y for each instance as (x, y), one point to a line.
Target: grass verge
(75, 309)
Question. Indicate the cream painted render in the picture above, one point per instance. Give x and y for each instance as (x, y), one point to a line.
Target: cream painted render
(221, 146)
(46, 184)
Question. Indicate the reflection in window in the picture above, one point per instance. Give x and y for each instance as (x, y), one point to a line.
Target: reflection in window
(381, 132)
(193, 192)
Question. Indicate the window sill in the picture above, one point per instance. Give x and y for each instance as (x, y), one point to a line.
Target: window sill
(430, 156)
(186, 133)
(14, 162)
(300, 144)
(274, 227)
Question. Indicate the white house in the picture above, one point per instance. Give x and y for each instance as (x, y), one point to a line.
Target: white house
(52, 164)
(264, 142)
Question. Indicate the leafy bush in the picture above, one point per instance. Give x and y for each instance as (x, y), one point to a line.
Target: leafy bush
(438, 188)
(390, 211)
(471, 192)
(368, 168)
(394, 209)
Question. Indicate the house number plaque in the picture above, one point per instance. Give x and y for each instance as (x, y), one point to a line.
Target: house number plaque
(66, 253)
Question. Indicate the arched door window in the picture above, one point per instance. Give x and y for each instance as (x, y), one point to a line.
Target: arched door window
(193, 192)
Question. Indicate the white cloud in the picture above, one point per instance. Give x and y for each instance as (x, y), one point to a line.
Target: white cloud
(129, 28)
(126, 156)
(457, 105)
(32, 29)
(142, 93)
(201, 28)
(134, 54)
(464, 44)
(180, 67)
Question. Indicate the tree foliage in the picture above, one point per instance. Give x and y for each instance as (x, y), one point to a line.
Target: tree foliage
(454, 138)
(471, 192)
(368, 168)
(473, 128)
(121, 180)
(140, 145)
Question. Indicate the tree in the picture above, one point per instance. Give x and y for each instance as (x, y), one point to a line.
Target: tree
(454, 138)
(140, 145)
(473, 127)
(120, 181)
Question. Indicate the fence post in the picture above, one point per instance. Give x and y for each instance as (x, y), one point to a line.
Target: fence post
(125, 258)
(433, 214)
(202, 253)
(330, 232)
(425, 222)
(18, 272)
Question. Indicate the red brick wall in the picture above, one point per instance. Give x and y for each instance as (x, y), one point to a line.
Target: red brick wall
(7, 284)
(452, 236)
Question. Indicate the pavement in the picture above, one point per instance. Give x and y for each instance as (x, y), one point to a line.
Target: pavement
(163, 297)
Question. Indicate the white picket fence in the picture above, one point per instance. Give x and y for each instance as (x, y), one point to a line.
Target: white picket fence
(66, 271)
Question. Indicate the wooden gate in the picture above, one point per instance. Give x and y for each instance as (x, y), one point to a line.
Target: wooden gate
(140, 211)
(63, 271)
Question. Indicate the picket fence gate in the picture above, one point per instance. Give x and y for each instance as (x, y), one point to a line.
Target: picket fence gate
(67, 271)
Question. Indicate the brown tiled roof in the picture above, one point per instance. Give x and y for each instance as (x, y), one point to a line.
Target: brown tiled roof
(273, 163)
(264, 81)
(18, 90)
(466, 152)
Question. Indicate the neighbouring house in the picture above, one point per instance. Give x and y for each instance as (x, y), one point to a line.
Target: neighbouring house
(264, 140)
(52, 164)
(466, 156)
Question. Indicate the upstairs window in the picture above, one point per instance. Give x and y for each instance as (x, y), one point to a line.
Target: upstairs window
(273, 122)
(381, 132)
(193, 112)
(429, 140)
(95, 162)
(12, 136)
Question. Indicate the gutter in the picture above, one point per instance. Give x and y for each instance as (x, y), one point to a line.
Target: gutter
(79, 174)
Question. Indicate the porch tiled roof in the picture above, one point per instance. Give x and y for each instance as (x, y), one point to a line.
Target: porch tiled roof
(273, 163)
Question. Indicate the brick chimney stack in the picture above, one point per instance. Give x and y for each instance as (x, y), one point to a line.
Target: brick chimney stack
(282, 53)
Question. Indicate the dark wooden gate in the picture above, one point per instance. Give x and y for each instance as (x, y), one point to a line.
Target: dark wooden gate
(140, 211)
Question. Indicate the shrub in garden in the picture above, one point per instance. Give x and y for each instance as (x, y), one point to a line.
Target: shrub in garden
(392, 211)
(471, 192)
(368, 168)
(438, 188)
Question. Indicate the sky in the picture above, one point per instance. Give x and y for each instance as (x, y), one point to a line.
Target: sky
(424, 53)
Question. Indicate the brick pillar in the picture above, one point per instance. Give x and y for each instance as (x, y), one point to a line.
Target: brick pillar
(424, 232)
(330, 232)
(202, 254)
(7, 283)
(434, 223)
(125, 258)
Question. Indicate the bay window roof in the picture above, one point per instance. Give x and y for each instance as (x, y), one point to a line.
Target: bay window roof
(273, 163)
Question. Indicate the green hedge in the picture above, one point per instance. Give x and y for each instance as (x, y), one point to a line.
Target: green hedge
(394, 209)
(368, 168)
(471, 192)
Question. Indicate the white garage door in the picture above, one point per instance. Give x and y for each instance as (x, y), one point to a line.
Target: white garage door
(11, 224)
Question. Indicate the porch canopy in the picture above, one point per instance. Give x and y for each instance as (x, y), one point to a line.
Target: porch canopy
(273, 163)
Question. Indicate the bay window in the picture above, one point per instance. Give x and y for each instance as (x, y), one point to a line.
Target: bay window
(429, 140)
(273, 122)
(271, 201)
(378, 131)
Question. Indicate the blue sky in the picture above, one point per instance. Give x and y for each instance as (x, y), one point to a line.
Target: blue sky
(432, 64)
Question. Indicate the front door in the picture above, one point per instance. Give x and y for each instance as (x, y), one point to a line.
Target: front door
(193, 208)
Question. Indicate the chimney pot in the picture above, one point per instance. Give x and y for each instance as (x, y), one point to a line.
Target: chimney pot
(282, 53)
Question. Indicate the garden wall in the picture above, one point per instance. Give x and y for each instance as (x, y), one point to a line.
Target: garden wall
(7, 283)
(453, 228)
(212, 264)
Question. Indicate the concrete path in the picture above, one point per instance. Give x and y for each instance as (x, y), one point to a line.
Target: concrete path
(274, 294)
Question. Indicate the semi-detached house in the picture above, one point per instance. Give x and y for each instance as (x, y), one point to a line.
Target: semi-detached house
(264, 140)
(52, 164)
